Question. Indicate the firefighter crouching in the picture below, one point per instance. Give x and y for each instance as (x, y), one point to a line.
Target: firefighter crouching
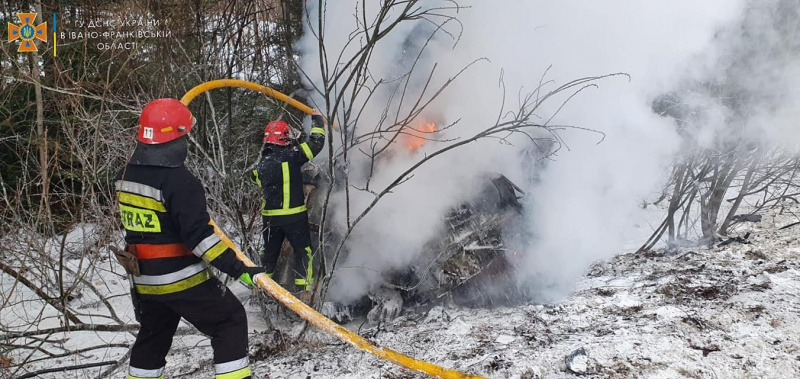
(171, 245)
(283, 207)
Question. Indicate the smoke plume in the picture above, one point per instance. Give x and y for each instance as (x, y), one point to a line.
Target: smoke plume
(583, 202)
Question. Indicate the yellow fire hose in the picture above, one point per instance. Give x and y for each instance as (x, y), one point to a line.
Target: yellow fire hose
(220, 83)
(332, 328)
(291, 302)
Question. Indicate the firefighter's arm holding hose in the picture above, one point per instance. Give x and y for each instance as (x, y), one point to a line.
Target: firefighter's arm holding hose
(188, 200)
(312, 145)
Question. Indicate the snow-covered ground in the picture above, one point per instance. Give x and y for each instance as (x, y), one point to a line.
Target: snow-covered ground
(726, 312)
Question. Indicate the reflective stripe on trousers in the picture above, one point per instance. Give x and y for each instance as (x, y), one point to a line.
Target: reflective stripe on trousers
(140, 373)
(237, 369)
(308, 281)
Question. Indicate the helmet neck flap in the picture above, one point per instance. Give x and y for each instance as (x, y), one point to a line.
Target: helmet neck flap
(169, 154)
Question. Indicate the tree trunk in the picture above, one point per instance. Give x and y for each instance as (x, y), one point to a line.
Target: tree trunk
(723, 229)
(674, 202)
(717, 192)
(41, 132)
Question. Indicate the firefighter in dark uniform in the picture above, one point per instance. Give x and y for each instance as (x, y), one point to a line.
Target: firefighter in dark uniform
(283, 207)
(163, 209)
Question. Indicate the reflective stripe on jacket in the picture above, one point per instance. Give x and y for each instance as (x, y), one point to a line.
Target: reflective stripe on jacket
(279, 175)
(163, 211)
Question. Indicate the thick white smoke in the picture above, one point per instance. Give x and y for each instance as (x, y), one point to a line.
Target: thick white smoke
(588, 197)
(752, 77)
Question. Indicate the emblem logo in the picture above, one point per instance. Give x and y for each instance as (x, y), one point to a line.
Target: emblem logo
(27, 32)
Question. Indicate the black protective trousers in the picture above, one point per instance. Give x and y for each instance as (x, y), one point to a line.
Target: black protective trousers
(300, 238)
(214, 312)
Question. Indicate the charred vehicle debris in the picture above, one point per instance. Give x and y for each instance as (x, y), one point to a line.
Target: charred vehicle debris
(468, 264)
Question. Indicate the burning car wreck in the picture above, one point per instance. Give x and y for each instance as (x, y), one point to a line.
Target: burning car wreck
(469, 264)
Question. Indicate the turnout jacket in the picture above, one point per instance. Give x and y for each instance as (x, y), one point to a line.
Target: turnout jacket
(279, 176)
(164, 214)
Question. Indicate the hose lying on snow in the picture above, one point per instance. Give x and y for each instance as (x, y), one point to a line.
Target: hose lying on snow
(337, 330)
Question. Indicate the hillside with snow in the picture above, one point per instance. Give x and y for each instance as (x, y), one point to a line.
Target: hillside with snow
(724, 312)
(728, 311)
(471, 148)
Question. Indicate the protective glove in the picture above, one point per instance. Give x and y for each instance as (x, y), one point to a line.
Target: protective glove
(248, 277)
(316, 118)
(317, 121)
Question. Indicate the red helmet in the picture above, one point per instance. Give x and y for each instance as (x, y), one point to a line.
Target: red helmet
(164, 120)
(277, 132)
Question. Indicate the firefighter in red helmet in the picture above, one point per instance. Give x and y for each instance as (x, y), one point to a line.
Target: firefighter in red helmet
(283, 207)
(172, 244)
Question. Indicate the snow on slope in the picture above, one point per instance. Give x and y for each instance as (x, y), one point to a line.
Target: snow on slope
(724, 312)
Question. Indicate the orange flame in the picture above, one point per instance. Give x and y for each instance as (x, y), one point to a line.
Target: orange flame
(417, 136)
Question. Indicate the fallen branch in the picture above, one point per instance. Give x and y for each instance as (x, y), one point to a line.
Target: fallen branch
(115, 365)
(72, 328)
(90, 328)
(66, 368)
(789, 226)
(77, 352)
(49, 300)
